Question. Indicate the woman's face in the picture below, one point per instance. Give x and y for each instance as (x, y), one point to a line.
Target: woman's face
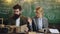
(39, 12)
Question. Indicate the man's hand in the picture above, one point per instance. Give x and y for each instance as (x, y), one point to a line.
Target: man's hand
(12, 26)
(2, 25)
(26, 29)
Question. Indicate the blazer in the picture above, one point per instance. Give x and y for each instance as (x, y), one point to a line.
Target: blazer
(23, 20)
(44, 21)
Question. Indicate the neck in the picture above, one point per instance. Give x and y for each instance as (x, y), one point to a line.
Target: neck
(39, 16)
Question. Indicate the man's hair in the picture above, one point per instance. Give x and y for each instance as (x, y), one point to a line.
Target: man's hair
(17, 6)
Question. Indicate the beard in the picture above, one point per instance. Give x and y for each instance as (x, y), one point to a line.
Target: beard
(16, 16)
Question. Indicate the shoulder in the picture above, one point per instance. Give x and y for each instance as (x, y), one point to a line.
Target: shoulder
(10, 18)
(34, 17)
(45, 18)
(23, 17)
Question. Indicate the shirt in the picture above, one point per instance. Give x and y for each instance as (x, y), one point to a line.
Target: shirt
(39, 23)
(18, 22)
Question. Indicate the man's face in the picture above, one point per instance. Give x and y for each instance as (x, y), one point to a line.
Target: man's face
(17, 11)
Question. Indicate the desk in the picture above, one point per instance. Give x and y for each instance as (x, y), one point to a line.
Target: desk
(41, 33)
(29, 33)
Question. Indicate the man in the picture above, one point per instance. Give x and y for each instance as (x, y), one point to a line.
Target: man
(17, 19)
(38, 22)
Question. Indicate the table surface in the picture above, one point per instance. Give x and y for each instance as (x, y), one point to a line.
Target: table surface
(30, 33)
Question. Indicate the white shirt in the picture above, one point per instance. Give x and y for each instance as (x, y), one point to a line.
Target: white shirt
(18, 22)
(40, 23)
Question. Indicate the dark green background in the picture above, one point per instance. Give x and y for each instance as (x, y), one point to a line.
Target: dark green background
(51, 9)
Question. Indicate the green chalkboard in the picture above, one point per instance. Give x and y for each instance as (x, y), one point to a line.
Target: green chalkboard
(51, 9)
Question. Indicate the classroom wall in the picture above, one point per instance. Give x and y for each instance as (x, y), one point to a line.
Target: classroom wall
(51, 8)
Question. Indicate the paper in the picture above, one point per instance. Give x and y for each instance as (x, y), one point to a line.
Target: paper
(32, 33)
(22, 28)
(54, 30)
(41, 30)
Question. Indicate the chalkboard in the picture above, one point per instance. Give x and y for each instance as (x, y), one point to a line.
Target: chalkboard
(51, 9)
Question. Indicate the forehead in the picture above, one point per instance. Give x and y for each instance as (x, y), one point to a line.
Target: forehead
(16, 10)
(39, 10)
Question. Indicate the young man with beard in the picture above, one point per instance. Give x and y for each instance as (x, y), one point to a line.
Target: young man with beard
(17, 19)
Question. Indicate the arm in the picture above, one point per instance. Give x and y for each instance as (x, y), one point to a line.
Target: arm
(29, 24)
(46, 25)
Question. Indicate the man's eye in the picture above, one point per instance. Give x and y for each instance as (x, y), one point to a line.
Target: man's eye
(16, 11)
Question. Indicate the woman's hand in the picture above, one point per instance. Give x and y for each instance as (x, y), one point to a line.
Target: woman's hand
(29, 20)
